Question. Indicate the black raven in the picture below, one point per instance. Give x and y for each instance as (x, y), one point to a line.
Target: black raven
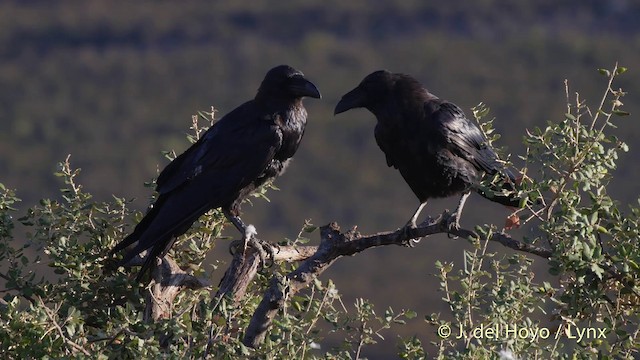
(438, 151)
(242, 151)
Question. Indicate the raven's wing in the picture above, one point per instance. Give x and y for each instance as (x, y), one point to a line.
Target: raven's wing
(464, 139)
(209, 151)
(387, 141)
(210, 174)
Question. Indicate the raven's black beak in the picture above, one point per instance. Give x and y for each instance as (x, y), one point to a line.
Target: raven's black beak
(353, 99)
(303, 87)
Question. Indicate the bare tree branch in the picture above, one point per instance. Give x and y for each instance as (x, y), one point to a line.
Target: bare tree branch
(51, 314)
(243, 268)
(168, 280)
(335, 244)
(239, 275)
(293, 253)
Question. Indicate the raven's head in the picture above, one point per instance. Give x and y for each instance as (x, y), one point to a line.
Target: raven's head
(285, 81)
(373, 91)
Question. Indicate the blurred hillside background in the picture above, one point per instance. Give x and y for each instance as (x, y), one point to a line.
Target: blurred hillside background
(113, 83)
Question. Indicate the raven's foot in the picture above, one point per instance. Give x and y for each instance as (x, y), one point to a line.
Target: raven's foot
(452, 224)
(406, 232)
(264, 249)
(411, 225)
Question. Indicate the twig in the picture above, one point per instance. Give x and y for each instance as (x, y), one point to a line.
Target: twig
(68, 341)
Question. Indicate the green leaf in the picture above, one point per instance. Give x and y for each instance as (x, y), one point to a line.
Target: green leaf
(620, 113)
(410, 314)
(621, 70)
(309, 228)
(599, 271)
(604, 72)
(244, 350)
(71, 329)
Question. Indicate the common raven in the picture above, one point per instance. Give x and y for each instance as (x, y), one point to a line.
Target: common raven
(242, 151)
(438, 151)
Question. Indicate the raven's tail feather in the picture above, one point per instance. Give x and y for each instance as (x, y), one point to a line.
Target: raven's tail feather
(506, 200)
(507, 194)
(158, 251)
(160, 245)
(141, 227)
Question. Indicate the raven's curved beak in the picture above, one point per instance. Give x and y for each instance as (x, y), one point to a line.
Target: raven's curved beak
(353, 99)
(303, 87)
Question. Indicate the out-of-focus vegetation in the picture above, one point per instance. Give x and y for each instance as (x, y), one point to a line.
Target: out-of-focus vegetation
(114, 83)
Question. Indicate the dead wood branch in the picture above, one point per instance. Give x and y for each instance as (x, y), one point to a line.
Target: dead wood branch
(335, 244)
(243, 268)
(167, 281)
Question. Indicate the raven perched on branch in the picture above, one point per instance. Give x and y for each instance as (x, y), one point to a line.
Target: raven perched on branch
(242, 151)
(438, 151)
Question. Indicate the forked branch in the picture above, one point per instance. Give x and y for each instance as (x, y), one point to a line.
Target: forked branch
(335, 244)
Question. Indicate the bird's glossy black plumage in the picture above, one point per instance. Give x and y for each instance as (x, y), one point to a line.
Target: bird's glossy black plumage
(243, 150)
(438, 151)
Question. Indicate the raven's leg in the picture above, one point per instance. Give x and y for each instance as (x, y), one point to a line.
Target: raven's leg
(264, 249)
(414, 218)
(411, 224)
(453, 223)
(236, 221)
